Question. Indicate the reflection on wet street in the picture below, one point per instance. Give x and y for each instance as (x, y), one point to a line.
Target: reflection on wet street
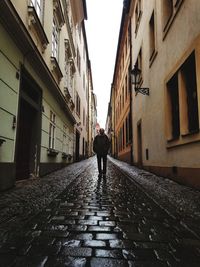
(102, 222)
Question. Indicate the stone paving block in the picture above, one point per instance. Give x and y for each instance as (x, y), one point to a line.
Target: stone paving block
(76, 252)
(121, 244)
(69, 243)
(96, 218)
(99, 229)
(81, 236)
(101, 236)
(109, 253)
(57, 227)
(87, 213)
(77, 228)
(107, 223)
(94, 243)
(103, 213)
(87, 222)
(99, 262)
(66, 261)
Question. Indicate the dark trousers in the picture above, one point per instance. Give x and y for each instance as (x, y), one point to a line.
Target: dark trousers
(99, 160)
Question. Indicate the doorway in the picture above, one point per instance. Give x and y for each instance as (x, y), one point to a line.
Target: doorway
(139, 144)
(28, 129)
(77, 156)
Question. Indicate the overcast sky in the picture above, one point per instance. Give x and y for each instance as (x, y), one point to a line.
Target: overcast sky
(102, 30)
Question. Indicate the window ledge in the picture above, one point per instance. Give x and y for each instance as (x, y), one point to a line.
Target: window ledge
(190, 133)
(51, 152)
(183, 140)
(34, 22)
(2, 141)
(56, 69)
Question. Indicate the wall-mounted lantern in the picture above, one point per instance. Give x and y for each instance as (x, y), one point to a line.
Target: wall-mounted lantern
(136, 72)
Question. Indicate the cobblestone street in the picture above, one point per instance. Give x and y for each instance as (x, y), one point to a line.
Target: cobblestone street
(91, 221)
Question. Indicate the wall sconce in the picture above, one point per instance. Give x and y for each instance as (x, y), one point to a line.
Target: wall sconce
(136, 72)
(14, 122)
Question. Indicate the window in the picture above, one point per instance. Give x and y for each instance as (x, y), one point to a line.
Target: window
(65, 139)
(172, 87)
(37, 4)
(152, 36)
(167, 11)
(78, 60)
(52, 127)
(182, 106)
(78, 104)
(138, 14)
(55, 39)
(188, 71)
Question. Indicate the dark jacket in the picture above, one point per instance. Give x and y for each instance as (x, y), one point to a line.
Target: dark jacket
(101, 144)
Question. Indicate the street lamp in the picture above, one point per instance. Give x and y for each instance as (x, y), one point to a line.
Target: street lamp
(136, 72)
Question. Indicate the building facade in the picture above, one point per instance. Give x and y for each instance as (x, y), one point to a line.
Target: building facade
(121, 94)
(42, 71)
(165, 38)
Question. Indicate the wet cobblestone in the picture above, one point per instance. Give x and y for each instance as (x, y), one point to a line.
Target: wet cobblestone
(101, 222)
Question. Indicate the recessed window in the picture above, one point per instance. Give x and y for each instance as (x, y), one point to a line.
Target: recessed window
(55, 39)
(169, 11)
(78, 105)
(188, 71)
(182, 102)
(138, 14)
(167, 6)
(52, 127)
(37, 4)
(152, 41)
(174, 118)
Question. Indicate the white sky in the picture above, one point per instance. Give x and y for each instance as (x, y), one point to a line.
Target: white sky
(102, 30)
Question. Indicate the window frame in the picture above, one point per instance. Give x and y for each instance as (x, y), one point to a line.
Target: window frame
(52, 129)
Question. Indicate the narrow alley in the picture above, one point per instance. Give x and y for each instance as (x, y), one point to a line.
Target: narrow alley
(78, 219)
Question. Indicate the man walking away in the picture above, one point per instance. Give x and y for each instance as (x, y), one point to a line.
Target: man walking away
(101, 146)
